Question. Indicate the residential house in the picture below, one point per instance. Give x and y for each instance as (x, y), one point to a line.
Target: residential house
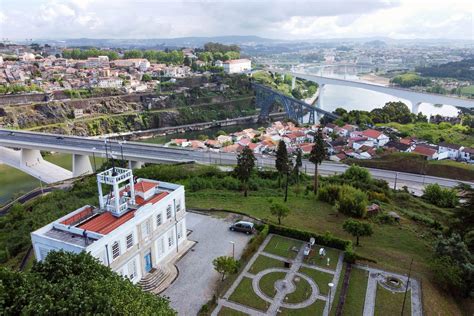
(451, 151)
(138, 225)
(236, 66)
(379, 138)
(428, 152)
(467, 154)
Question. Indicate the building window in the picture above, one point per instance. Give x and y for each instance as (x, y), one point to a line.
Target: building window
(146, 228)
(170, 239)
(129, 241)
(168, 212)
(132, 270)
(115, 250)
(158, 219)
(178, 205)
(180, 230)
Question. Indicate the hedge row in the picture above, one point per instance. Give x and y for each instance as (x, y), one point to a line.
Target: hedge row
(255, 242)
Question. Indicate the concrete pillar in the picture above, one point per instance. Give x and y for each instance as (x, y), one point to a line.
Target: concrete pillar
(135, 164)
(81, 165)
(30, 157)
(293, 83)
(415, 107)
(319, 101)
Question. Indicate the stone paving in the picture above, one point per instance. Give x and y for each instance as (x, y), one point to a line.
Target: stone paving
(376, 276)
(284, 287)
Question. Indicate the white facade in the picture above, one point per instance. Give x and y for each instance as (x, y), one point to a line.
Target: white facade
(236, 66)
(132, 234)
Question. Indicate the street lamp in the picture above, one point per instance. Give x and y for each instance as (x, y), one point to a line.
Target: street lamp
(233, 249)
(330, 294)
(41, 185)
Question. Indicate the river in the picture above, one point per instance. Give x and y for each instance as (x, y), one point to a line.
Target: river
(359, 99)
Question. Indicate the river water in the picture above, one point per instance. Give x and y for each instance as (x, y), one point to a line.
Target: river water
(359, 99)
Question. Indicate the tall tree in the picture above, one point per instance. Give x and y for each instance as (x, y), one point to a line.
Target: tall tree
(74, 284)
(244, 168)
(317, 155)
(225, 265)
(281, 161)
(280, 211)
(298, 164)
(357, 229)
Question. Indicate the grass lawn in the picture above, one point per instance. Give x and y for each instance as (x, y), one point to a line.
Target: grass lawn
(302, 292)
(267, 282)
(263, 262)
(315, 309)
(226, 311)
(245, 295)
(390, 303)
(322, 279)
(283, 247)
(354, 304)
(315, 259)
(337, 296)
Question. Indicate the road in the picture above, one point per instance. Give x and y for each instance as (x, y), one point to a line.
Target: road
(159, 154)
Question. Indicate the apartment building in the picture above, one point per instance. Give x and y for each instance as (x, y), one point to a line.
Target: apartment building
(138, 225)
(236, 66)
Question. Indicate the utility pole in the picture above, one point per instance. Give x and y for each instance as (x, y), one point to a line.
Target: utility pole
(93, 158)
(396, 178)
(406, 287)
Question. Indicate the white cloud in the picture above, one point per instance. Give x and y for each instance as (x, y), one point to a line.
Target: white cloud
(277, 19)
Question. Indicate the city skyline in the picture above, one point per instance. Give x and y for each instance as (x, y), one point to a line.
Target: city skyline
(316, 19)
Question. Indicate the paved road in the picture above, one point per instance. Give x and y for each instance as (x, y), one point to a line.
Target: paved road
(197, 277)
(155, 154)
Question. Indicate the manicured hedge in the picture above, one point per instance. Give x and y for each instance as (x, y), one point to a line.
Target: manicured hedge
(255, 242)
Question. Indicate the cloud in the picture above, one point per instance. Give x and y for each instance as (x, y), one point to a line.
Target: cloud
(277, 19)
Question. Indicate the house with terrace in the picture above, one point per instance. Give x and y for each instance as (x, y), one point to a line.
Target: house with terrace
(137, 229)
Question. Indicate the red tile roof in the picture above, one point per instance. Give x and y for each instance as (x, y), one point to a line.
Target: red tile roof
(371, 133)
(75, 218)
(140, 201)
(106, 222)
(425, 151)
(144, 186)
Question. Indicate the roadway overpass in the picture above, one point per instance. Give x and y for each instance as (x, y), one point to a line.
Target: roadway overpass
(415, 98)
(30, 144)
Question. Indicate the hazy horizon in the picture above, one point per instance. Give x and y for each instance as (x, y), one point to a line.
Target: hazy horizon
(281, 20)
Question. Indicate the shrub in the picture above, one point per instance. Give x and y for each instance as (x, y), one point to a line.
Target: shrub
(442, 197)
(329, 193)
(377, 196)
(254, 243)
(356, 173)
(230, 183)
(352, 201)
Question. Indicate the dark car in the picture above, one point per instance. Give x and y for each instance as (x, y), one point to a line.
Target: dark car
(242, 226)
(60, 137)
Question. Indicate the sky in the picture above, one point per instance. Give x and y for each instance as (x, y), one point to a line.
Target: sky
(295, 19)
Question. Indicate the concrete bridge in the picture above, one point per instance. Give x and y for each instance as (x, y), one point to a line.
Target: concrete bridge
(415, 98)
(22, 150)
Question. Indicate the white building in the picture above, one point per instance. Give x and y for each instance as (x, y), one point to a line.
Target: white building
(110, 83)
(451, 151)
(236, 66)
(139, 225)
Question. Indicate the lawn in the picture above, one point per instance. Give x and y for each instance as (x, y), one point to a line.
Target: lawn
(283, 247)
(302, 292)
(322, 279)
(226, 311)
(245, 295)
(316, 309)
(267, 282)
(390, 303)
(392, 246)
(355, 299)
(315, 259)
(263, 262)
(337, 296)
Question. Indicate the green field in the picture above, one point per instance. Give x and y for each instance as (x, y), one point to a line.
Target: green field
(468, 90)
(316, 308)
(390, 303)
(322, 279)
(355, 298)
(283, 247)
(267, 282)
(263, 262)
(226, 311)
(302, 293)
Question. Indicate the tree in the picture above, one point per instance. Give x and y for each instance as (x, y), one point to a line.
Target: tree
(357, 229)
(244, 168)
(281, 161)
(146, 77)
(317, 155)
(298, 164)
(280, 211)
(352, 201)
(442, 197)
(75, 284)
(225, 265)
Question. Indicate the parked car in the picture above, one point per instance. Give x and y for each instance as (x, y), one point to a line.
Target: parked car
(242, 226)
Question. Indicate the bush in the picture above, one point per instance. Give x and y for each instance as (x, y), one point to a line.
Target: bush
(329, 193)
(230, 183)
(352, 201)
(377, 196)
(442, 197)
(254, 243)
(358, 174)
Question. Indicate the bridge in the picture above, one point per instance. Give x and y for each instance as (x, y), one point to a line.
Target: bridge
(295, 109)
(415, 98)
(22, 150)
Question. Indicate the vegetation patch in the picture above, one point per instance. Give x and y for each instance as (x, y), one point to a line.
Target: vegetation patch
(390, 303)
(355, 299)
(267, 282)
(263, 262)
(245, 295)
(322, 279)
(283, 247)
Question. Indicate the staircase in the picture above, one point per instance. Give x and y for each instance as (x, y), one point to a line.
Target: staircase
(157, 280)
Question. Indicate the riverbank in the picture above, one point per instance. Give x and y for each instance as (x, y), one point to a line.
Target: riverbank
(375, 79)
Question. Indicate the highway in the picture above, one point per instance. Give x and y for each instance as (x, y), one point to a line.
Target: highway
(159, 154)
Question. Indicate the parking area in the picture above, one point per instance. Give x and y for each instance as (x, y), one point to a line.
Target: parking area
(197, 277)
